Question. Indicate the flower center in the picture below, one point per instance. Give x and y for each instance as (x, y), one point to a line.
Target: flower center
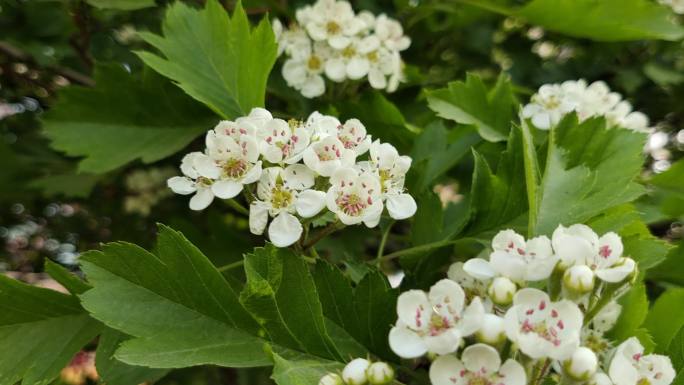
(234, 168)
(385, 176)
(542, 330)
(644, 381)
(352, 204)
(204, 181)
(438, 324)
(333, 28)
(349, 52)
(328, 153)
(314, 63)
(281, 197)
(479, 380)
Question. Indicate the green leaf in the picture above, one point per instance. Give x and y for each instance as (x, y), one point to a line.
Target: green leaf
(70, 185)
(589, 169)
(180, 310)
(676, 350)
(665, 318)
(634, 308)
(302, 370)
(671, 269)
(281, 295)
(671, 179)
(368, 311)
(122, 119)
(115, 372)
(65, 278)
(124, 5)
(219, 60)
(603, 20)
(40, 332)
(498, 198)
(470, 102)
(440, 150)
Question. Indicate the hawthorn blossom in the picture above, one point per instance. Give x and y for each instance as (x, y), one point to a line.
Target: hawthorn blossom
(514, 258)
(327, 155)
(472, 286)
(390, 33)
(332, 21)
(548, 106)
(283, 142)
(631, 367)
(282, 193)
(235, 162)
(352, 134)
(354, 197)
(434, 322)
(303, 72)
(542, 328)
(197, 178)
(479, 364)
(390, 168)
(351, 62)
(580, 245)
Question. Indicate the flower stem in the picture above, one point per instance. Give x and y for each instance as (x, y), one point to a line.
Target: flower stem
(383, 241)
(231, 266)
(331, 228)
(411, 250)
(603, 300)
(238, 207)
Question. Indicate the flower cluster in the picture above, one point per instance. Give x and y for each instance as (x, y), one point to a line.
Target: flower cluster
(361, 371)
(486, 324)
(330, 39)
(292, 170)
(553, 101)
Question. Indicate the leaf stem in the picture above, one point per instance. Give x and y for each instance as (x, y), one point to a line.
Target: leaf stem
(231, 266)
(331, 228)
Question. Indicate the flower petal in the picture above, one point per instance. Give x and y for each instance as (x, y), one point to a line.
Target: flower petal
(284, 230)
(202, 198)
(513, 372)
(481, 358)
(258, 217)
(310, 203)
(479, 268)
(414, 309)
(226, 189)
(444, 369)
(401, 206)
(405, 343)
(181, 185)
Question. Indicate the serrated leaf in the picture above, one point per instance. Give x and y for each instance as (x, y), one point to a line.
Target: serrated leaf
(281, 296)
(115, 372)
(123, 119)
(665, 318)
(180, 310)
(217, 59)
(31, 350)
(589, 169)
(604, 20)
(498, 197)
(470, 102)
(65, 278)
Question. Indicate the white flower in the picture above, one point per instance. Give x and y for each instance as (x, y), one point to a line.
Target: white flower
(331, 379)
(390, 169)
(332, 21)
(472, 286)
(235, 161)
(582, 365)
(492, 331)
(542, 328)
(434, 322)
(352, 133)
(631, 367)
(502, 290)
(354, 373)
(579, 279)
(196, 168)
(607, 317)
(352, 61)
(327, 155)
(382, 63)
(283, 192)
(548, 106)
(391, 34)
(293, 41)
(283, 142)
(380, 373)
(479, 364)
(515, 259)
(303, 72)
(355, 197)
(579, 245)
(600, 378)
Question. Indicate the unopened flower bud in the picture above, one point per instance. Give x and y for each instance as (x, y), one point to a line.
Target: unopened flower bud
(582, 365)
(331, 379)
(579, 279)
(380, 373)
(501, 291)
(355, 372)
(492, 331)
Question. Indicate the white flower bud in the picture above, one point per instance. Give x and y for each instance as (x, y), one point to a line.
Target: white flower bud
(582, 365)
(355, 372)
(380, 373)
(492, 331)
(331, 379)
(501, 291)
(579, 279)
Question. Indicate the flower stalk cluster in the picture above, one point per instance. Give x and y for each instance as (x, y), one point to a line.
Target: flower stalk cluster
(500, 320)
(329, 39)
(292, 170)
(553, 101)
